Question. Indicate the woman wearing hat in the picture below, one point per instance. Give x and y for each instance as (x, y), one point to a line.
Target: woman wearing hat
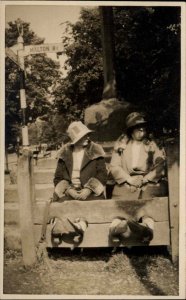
(81, 172)
(138, 168)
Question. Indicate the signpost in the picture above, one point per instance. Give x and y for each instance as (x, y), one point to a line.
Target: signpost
(12, 55)
(17, 54)
(44, 48)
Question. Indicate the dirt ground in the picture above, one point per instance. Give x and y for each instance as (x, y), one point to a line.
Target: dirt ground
(136, 271)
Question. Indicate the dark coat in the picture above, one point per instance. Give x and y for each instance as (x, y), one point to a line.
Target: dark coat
(93, 165)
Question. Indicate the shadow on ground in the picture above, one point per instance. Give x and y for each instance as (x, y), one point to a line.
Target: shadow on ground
(141, 266)
(102, 271)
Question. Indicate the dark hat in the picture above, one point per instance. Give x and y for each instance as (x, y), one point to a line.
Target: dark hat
(135, 119)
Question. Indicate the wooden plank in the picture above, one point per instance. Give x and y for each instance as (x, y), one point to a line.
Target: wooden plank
(25, 208)
(11, 213)
(100, 211)
(10, 193)
(41, 191)
(44, 191)
(47, 163)
(44, 176)
(97, 235)
(173, 180)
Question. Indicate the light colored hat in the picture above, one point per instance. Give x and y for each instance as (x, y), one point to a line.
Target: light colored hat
(135, 119)
(77, 130)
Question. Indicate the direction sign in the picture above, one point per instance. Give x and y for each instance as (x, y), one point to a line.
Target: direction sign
(43, 48)
(11, 54)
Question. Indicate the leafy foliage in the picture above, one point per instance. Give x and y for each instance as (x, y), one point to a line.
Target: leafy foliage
(147, 59)
(84, 82)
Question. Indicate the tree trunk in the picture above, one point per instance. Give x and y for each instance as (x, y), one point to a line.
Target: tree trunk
(107, 24)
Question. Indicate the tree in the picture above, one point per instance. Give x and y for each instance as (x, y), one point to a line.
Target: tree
(83, 84)
(147, 59)
(41, 75)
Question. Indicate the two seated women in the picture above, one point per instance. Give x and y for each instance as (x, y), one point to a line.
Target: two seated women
(137, 166)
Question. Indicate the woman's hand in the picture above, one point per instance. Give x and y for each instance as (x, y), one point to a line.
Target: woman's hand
(135, 181)
(73, 193)
(79, 195)
(84, 193)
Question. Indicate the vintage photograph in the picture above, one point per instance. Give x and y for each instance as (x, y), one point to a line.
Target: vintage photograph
(93, 156)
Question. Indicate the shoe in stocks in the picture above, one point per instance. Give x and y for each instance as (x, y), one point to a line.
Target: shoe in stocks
(141, 231)
(79, 225)
(118, 229)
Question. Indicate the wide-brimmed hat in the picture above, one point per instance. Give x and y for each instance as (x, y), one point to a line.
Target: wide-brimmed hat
(135, 119)
(77, 130)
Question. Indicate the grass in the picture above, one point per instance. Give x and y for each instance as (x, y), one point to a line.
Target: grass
(94, 272)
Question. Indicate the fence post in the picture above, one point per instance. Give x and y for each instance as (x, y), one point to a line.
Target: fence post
(32, 184)
(172, 149)
(26, 208)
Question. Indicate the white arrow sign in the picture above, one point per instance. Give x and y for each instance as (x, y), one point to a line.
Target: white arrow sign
(44, 48)
(11, 54)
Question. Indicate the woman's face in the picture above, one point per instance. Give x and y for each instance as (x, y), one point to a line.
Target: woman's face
(83, 141)
(138, 134)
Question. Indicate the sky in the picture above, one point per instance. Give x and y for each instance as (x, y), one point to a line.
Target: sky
(44, 20)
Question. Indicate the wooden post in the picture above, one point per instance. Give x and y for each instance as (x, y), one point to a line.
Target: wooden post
(172, 149)
(25, 208)
(7, 171)
(107, 24)
(32, 183)
(20, 43)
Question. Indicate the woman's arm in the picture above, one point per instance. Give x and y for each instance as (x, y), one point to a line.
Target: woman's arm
(60, 173)
(158, 168)
(116, 169)
(97, 183)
